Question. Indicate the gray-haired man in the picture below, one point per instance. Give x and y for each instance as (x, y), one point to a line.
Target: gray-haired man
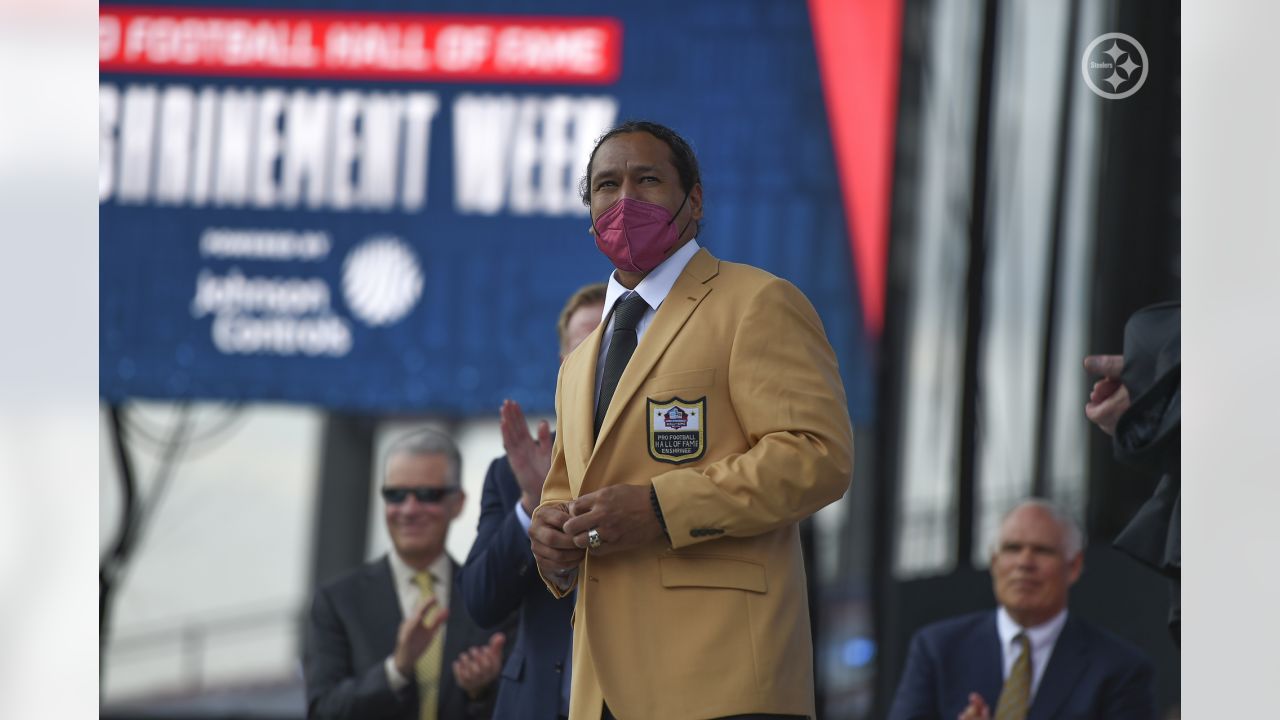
(392, 639)
(1030, 658)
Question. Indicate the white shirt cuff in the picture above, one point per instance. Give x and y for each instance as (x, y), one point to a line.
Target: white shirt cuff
(394, 678)
(523, 517)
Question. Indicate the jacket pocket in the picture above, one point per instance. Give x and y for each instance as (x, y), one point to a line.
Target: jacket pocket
(712, 571)
(680, 380)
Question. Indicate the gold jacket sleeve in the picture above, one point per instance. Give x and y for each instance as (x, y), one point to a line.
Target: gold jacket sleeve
(786, 393)
(555, 489)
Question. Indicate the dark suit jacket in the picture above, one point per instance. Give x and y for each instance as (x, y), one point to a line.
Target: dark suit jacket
(1091, 674)
(351, 632)
(1149, 437)
(499, 578)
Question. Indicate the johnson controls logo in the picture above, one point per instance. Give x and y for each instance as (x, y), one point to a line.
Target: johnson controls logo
(1114, 66)
(381, 280)
(291, 311)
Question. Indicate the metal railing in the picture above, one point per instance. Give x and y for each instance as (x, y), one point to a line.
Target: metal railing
(192, 640)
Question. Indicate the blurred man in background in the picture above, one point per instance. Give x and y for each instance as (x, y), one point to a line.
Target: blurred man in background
(392, 639)
(1030, 658)
(500, 576)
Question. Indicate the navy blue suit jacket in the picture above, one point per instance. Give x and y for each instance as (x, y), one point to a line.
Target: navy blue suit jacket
(499, 578)
(1091, 674)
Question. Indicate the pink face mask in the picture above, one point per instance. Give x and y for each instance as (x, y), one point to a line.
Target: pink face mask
(636, 235)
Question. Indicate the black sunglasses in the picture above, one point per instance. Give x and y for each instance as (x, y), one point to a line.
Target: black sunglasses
(395, 496)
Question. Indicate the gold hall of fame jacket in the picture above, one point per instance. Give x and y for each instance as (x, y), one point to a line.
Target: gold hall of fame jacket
(732, 406)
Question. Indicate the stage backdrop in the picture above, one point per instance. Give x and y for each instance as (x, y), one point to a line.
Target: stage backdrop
(374, 206)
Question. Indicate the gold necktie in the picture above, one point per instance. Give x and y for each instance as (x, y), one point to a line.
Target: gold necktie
(1016, 695)
(427, 669)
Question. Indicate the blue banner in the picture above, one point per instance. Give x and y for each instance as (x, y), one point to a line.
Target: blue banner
(374, 207)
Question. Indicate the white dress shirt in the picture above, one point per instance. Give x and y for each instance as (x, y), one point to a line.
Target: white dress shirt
(409, 595)
(654, 288)
(1043, 637)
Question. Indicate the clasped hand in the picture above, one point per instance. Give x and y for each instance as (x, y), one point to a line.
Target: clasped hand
(552, 548)
(621, 514)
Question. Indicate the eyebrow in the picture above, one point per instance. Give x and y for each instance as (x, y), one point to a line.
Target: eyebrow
(609, 170)
(1032, 545)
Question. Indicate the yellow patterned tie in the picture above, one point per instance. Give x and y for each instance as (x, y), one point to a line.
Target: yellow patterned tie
(1016, 695)
(427, 669)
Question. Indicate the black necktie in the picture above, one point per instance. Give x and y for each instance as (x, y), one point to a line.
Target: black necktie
(622, 345)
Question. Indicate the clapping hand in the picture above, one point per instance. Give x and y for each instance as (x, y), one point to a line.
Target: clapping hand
(976, 710)
(530, 458)
(416, 633)
(479, 666)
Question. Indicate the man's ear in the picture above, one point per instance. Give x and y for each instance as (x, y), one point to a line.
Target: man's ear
(695, 201)
(1074, 568)
(459, 501)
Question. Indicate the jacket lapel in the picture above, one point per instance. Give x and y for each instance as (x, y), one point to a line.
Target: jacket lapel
(384, 614)
(988, 678)
(685, 296)
(458, 636)
(580, 397)
(1066, 664)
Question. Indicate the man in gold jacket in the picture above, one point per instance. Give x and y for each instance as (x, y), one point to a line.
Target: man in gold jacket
(699, 423)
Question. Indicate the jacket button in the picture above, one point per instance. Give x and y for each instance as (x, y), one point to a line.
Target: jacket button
(560, 667)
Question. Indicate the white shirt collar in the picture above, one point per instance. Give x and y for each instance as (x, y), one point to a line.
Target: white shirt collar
(403, 573)
(655, 286)
(1042, 636)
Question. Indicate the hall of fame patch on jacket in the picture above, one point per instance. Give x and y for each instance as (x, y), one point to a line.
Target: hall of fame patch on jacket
(677, 429)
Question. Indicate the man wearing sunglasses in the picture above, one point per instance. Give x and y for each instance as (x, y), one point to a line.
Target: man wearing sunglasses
(392, 639)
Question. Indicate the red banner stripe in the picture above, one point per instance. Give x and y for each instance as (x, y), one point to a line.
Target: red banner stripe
(367, 46)
(859, 55)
